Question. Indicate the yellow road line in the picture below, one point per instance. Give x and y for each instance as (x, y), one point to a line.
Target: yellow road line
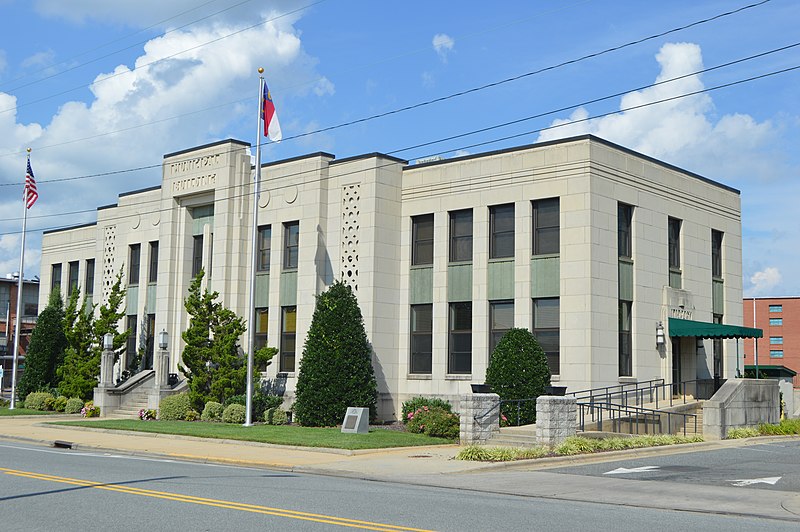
(279, 512)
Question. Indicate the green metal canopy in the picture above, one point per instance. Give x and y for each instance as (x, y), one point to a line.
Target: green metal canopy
(701, 329)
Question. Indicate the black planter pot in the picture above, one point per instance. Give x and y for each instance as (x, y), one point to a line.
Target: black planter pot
(555, 390)
(480, 388)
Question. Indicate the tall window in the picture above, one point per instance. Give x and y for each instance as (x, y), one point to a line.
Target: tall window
(546, 323)
(716, 253)
(501, 319)
(130, 347)
(461, 236)
(55, 277)
(625, 340)
(460, 341)
(197, 254)
(624, 233)
(134, 261)
(152, 275)
(501, 231)
(421, 338)
(716, 346)
(288, 338)
(546, 230)
(150, 338)
(291, 244)
(89, 288)
(422, 240)
(262, 325)
(73, 275)
(264, 247)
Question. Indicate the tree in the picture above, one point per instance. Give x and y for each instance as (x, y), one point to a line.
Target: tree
(518, 370)
(46, 349)
(212, 362)
(81, 368)
(336, 370)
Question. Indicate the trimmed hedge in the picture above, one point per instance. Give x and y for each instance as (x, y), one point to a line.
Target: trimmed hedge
(39, 401)
(60, 403)
(174, 407)
(418, 402)
(435, 422)
(212, 411)
(234, 414)
(276, 416)
(73, 406)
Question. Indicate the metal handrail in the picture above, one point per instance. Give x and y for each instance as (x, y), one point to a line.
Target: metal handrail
(640, 413)
(623, 392)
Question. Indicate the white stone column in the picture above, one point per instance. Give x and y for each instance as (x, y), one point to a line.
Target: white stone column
(480, 417)
(556, 419)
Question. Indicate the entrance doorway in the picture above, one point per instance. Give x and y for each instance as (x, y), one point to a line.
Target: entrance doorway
(676, 365)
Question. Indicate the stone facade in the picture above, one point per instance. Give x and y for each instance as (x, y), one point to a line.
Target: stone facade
(359, 219)
(556, 419)
(480, 417)
(741, 403)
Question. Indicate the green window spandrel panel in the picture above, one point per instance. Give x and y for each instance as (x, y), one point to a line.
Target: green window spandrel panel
(459, 282)
(421, 286)
(132, 300)
(150, 299)
(718, 296)
(262, 290)
(625, 281)
(288, 289)
(545, 276)
(501, 280)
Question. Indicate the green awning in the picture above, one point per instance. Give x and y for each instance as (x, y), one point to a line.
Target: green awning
(702, 329)
(772, 370)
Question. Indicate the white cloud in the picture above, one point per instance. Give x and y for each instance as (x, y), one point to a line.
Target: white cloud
(428, 80)
(324, 87)
(765, 281)
(39, 59)
(443, 44)
(461, 153)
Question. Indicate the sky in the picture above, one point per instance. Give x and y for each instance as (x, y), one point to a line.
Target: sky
(100, 91)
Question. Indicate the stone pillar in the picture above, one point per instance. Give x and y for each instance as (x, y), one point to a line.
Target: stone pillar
(106, 369)
(480, 417)
(556, 419)
(161, 365)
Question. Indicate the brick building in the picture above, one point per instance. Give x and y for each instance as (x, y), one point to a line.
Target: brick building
(779, 318)
(8, 312)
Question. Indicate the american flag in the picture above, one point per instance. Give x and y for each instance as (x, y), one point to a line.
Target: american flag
(30, 195)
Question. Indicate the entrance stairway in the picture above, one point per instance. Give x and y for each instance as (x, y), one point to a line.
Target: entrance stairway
(514, 437)
(134, 402)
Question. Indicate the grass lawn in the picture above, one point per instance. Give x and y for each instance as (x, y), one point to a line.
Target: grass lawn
(5, 411)
(278, 434)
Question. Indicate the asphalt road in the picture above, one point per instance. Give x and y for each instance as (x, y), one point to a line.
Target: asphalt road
(51, 489)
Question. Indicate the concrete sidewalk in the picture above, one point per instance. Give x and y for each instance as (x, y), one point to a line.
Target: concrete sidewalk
(432, 466)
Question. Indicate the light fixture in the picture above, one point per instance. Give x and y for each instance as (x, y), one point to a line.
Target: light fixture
(660, 334)
(108, 341)
(163, 340)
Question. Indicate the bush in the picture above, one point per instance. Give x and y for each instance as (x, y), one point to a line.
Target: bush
(212, 411)
(336, 369)
(60, 403)
(416, 403)
(174, 407)
(192, 415)
(147, 414)
(89, 410)
(518, 370)
(435, 422)
(276, 416)
(39, 401)
(233, 414)
(73, 406)
(260, 404)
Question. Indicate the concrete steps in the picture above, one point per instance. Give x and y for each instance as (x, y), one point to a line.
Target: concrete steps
(524, 436)
(135, 402)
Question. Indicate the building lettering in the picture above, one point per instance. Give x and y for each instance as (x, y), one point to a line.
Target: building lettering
(192, 165)
(680, 313)
(194, 182)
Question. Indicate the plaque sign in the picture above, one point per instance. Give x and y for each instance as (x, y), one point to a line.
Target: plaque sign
(356, 420)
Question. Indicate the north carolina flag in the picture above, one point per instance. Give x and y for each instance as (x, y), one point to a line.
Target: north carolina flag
(30, 195)
(272, 127)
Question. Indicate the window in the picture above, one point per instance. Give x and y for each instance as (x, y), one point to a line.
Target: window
(288, 338)
(776, 308)
(501, 319)
(150, 338)
(546, 226)
(72, 272)
(625, 340)
(261, 327)
(776, 321)
(422, 240)
(55, 277)
(264, 248)
(546, 330)
(291, 244)
(152, 275)
(130, 347)
(89, 288)
(674, 235)
(624, 236)
(460, 341)
(716, 253)
(776, 340)
(421, 338)
(197, 254)
(501, 231)
(461, 236)
(775, 353)
(717, 349)
(134, 261)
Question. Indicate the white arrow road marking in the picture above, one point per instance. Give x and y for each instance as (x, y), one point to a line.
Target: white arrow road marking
(751, 481)
(625, 470)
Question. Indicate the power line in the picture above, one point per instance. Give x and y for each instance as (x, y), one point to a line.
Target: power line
(500, 139)
(447, 97)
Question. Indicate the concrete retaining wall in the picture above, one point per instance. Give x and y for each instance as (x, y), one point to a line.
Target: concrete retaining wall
(741, 403)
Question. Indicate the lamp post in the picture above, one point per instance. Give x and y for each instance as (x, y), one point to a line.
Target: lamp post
(162, 362)
(660, 339)
(107, 361)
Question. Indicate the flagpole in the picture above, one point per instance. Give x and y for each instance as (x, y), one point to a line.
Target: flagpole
(251, 334)
(19, 298)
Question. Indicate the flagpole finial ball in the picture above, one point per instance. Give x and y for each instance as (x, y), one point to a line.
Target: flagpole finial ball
(260, 70)
(28, 150)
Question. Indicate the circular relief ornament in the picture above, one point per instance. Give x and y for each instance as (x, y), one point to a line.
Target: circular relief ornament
(263, 199)
(290, 194)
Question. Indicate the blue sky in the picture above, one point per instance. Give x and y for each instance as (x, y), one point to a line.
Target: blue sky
(98, 87)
